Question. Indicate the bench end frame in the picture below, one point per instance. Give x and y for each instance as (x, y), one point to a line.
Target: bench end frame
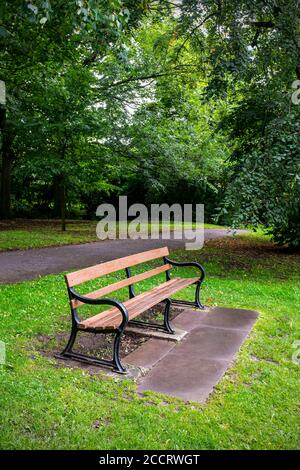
(115, 363)
(195, 264)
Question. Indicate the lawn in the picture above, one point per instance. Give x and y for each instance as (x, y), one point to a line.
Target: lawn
(255, 406)
(23, 234)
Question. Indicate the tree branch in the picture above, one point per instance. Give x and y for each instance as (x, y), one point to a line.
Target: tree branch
(177, 69)
(263, 24)
(214, 13)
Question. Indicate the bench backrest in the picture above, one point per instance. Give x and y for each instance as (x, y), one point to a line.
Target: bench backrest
(93, 272)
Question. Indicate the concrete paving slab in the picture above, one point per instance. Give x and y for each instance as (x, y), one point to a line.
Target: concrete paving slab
(230, 318)
(190, 318)
(178, 334)
(192, 368)
(212, 343)
(150, 353)
(188, 380)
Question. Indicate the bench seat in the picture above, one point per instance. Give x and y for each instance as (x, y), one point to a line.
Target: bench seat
(112, 317)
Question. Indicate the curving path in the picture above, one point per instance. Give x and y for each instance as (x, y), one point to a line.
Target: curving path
(21, 265)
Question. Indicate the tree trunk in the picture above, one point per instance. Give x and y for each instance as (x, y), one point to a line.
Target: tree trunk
(56, 196)
(59, 209)
(7, 159)
(63, 206)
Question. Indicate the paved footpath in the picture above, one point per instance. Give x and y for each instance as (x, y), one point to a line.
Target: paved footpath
(192, 368)
(21, 265)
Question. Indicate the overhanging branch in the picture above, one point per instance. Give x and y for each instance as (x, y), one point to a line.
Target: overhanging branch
(188, 68)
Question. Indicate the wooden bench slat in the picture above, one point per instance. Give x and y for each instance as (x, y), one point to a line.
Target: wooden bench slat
(160, 295)
(110, 313)
(88, 274)
(112, 318)
(120, 284)
(141, 304)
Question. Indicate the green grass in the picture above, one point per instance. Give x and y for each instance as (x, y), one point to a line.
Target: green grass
(41, 233)
(38, 234)
(255, 406)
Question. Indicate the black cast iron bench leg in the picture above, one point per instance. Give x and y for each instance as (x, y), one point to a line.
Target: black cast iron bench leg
(166, 325)
(116, 360)
(197, 302)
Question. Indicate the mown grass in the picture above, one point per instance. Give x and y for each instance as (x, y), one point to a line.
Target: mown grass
(24, 234)
(255, 406)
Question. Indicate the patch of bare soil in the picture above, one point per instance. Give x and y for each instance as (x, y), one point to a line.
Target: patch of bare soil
(100, 345)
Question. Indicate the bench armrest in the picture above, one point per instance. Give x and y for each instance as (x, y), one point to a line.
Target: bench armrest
(104, 301)
(187, 263)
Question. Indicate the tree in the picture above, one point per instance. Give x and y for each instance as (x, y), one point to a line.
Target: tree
(41, 39)
(251, 51)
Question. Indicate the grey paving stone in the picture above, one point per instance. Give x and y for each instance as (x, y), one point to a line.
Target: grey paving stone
(230, 318)
(149, 353)
(190, 319)
(211, 343)
(152, 333)
(181, 378)
(193, 367)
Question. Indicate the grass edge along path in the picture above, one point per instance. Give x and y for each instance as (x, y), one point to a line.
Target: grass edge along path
(40, 234)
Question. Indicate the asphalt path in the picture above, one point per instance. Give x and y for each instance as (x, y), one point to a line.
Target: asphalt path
(21, 265)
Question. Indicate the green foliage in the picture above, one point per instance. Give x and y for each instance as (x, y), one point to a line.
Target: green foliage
(51, 62)
(265, 188)
(252, 59)
(176, 156)
(163, 103)
(95, 118)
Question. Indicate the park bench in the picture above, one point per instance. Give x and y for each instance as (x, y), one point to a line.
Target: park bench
(121, 314)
